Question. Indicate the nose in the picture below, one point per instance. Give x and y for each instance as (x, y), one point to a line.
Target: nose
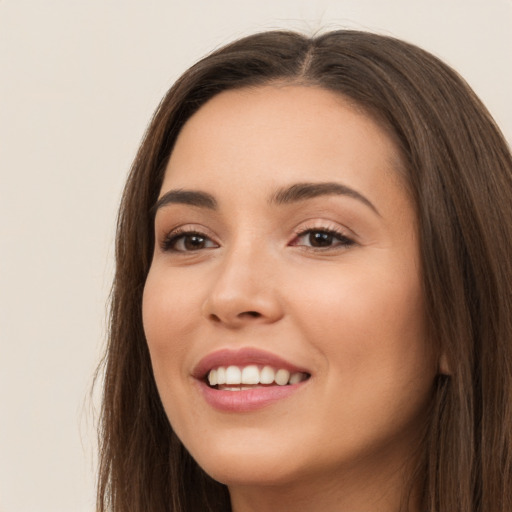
(243, 290)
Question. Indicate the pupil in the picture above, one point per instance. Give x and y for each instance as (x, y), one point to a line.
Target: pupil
(320, 239)
(194, 242)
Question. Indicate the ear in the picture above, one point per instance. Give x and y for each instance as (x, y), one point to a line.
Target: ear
(444, 368)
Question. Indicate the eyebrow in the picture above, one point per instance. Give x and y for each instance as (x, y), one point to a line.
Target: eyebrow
(286, 195)
(190, 197)
(302, 191)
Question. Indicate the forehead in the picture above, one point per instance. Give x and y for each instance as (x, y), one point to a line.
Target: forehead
(281, 134)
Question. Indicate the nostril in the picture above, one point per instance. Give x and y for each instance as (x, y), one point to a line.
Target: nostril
(253, 314)
(245, 314)
(214, 318)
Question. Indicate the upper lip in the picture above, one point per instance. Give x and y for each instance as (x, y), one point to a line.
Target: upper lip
(242, 357)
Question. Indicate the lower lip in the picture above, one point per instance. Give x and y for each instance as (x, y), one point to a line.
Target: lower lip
(248, 399)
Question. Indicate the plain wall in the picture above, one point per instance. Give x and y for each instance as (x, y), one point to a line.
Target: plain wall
(79, 81)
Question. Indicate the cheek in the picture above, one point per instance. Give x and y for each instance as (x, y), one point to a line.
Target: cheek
(361, 301)
(171, 301)
(167, 313)
(368, 324)
(370, 333)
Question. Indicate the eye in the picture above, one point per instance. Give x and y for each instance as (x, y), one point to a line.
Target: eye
(187, 241)
(322, 239)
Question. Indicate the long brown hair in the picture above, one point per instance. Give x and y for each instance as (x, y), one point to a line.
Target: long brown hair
(459, 172)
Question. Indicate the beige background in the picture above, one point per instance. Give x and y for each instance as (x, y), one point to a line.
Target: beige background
(78, 83)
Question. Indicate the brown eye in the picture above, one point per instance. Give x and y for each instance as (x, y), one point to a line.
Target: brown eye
(186, 242)
(322, 239)
(194, 242)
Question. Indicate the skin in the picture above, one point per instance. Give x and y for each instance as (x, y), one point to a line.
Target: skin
(351, 314)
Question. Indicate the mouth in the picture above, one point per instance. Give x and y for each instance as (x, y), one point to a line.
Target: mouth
(252, 376)
(247, 379)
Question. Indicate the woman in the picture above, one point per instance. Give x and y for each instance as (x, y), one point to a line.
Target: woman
(312, 302)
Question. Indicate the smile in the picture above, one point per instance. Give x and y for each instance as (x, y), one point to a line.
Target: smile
(247, 379)
(235, 378)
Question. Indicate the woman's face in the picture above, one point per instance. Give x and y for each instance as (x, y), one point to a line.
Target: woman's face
(287, 250)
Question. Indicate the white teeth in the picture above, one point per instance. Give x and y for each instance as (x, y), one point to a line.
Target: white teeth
(282, 377)
(233, 375)
(221, 375)
(251, 375)
(212, 378)
(296, 378)
(267, 375)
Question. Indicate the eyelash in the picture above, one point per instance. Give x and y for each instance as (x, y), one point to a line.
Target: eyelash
(172, 239)
(344, 241)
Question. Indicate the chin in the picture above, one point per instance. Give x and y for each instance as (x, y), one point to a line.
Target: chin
(249, 464)
(256, 474)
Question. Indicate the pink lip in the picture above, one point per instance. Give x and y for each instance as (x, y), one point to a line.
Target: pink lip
(242, 357)
(250, 399)
(247, 400)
